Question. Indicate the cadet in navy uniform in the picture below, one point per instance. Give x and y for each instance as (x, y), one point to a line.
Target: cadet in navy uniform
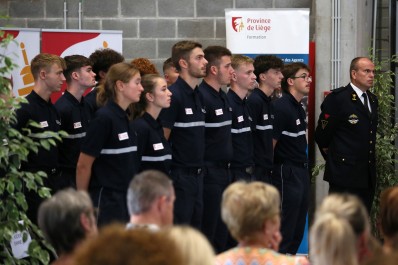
(47, 70)
(74, 113)
(102, 60)
(243, 80)
(109, 158)
(183, 125)
(218, 142)
(290, 174)
(268, 70)
(346, 134)
(155, 149)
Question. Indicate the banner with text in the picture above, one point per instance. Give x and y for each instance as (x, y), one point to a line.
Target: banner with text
(282, 32)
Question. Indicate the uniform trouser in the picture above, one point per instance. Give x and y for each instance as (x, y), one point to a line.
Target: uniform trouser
(365, 195)
(293, 183)
(215, 181)
(263, 174)
(32, 197)
(111, 204)
(68, 175)
(188, 187)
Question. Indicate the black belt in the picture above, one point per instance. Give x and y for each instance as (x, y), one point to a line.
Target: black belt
(295, 164)
(48, 171)
(220, 164)
(249, 170)
(189, 170)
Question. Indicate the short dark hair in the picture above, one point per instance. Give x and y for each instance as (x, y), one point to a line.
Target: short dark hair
(103, 59)
(167, 64)
(290, 71)
(182, 50)
(59, 218)
(263, 63)
(354, 63)
(74, 63)
(213, 55)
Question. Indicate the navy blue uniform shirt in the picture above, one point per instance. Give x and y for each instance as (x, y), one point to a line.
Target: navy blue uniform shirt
(186, 119)
(242, 139)
(259, 105)
(44, 113)
(155, 150)
(218, 140)
(111, 139)
(75, 117)
(91, 100)
(290, 130)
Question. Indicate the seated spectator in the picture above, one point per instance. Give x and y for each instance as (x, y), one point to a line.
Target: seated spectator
(150, 200)
(194, 246)
(251, 212)
(341, 232)
(389, 218)
(66, 219)
(117, 246)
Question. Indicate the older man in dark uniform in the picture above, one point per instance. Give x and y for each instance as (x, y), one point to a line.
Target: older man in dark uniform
(346, 134)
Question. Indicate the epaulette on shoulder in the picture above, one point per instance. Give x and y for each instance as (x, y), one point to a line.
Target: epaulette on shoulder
(338, 90)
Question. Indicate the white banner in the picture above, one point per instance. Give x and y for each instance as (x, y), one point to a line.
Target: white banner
(25, 46)
(282, 32)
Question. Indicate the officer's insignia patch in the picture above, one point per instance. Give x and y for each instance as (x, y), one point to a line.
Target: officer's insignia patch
(324, 123)
(353, 119)
(354, 97)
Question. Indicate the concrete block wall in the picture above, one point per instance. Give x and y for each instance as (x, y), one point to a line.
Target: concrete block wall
(150, 27)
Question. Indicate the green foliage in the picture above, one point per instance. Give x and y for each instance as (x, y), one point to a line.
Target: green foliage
(14, 148)
(387, 132)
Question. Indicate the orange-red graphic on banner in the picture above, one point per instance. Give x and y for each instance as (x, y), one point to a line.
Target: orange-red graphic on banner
(26, 74)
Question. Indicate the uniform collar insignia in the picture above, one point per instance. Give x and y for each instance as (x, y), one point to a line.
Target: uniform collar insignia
(354, 96)
(324, 123)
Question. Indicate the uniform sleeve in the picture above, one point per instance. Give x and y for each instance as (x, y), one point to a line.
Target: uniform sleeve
(280, 120)
(168, 116)
(97, 134)
(328, 121)
(22, 116)
(254, 110)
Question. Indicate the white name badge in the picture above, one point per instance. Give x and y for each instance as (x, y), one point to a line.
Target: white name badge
(77, 125)
(43, 124)
(265, 117)
(298, 122)
(240, 118)
(158, 146)
(219, 112)
(123, 136)
(188, 111)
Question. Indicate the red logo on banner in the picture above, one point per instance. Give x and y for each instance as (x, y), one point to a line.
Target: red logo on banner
(237, 24)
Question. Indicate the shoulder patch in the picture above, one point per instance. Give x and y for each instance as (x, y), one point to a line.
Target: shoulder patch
(338, 90)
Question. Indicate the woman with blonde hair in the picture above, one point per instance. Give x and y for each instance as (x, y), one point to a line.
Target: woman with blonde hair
(155, 149)
(251, 212)
(340, 234)
(194, 247)
(109, 158)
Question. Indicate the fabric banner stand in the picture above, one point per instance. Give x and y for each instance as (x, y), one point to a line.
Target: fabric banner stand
(25, 46)
(70, 42)
(280, 32)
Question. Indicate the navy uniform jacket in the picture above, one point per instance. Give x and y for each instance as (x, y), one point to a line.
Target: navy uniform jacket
(349, 132)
